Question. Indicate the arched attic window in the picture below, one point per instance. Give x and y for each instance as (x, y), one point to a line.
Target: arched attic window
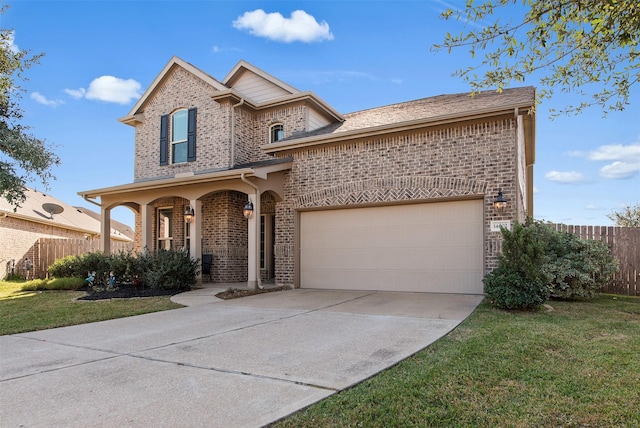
(276, 133)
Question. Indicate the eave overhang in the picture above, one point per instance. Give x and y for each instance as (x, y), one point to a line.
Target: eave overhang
(309, 97)
(166, 183)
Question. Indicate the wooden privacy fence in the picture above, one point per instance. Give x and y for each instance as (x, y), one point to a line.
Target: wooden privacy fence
(624, 243)
(48, 250)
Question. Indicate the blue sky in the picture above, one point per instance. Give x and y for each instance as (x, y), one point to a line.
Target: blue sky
(100, 56)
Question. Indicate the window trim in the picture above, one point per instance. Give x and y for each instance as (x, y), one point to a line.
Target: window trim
(271, 132)
(168, 228)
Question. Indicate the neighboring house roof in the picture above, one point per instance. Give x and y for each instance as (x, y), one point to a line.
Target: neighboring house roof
(118, 227)
(34, 209)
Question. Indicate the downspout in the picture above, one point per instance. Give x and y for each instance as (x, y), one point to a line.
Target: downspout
(86, 198)
(257, 233)
(517, 163)
(233, 132)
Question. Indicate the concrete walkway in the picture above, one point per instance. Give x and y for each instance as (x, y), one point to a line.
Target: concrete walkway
(237, 363)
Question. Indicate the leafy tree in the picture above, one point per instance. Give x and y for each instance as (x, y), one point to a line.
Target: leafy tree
(629, 216)
(23, 157)
(590, 47)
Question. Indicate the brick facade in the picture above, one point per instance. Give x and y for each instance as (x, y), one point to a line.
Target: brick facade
(444, 148)
(468, 161)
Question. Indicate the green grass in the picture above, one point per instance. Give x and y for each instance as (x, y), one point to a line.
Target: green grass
(578, 365)
(22, 311)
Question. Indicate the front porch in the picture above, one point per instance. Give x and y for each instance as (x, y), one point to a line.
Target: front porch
(203, 213)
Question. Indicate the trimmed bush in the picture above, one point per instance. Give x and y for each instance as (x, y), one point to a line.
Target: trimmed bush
(576, 268)
(53, 284)
(68, 266)
(519, 281)
(172, 270)
(169, 270)
(34, 285)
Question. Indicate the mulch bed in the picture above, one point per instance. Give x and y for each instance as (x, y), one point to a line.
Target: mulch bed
(234, 293)
(129, 291)
(126, 292)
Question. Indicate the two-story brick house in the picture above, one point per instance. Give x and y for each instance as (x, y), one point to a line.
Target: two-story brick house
(400, 197)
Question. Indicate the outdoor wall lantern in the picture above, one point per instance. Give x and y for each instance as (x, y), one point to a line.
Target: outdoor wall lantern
(189, 214)
(500, 201)
(247, 211)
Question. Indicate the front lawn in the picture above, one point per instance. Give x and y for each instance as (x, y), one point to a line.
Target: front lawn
(575, 365)
(22, 311)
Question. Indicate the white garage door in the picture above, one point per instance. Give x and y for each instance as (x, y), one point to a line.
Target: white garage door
(435, 247)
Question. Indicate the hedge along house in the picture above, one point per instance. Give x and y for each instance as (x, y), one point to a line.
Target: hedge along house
(401, 197)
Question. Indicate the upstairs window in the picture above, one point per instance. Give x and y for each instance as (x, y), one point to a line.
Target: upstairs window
(179, 125)
(276, 133)
(179, 145)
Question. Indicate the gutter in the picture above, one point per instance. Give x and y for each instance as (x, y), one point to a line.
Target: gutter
(86, 198)
(232, 162)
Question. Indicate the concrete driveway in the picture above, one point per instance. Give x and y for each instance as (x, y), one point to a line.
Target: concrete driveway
(242, 362)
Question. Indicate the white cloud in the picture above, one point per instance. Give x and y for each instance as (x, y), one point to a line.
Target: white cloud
(620, 170)
(626, 160)
(616, 152)
(592, 207)
(575, 153)
(397, 81)
(39, 98)
(218, 49)
(564, 177)
(113, 90)
(109, 89)
(9, 42)
(299, 27)
(76, 93)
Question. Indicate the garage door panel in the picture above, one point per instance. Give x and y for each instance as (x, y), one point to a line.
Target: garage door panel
(425, 247)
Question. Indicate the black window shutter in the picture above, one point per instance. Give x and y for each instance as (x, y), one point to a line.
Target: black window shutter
(191, 136)
(164, 139)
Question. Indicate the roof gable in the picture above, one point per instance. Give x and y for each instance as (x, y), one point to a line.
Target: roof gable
(256, 84)
(173, 62)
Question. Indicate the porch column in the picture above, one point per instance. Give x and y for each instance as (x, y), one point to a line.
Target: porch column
(146, 232)
(253, 268)
(195, 234)
(105, 230)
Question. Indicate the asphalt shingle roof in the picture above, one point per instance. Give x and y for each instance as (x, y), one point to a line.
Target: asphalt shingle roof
(424, 108)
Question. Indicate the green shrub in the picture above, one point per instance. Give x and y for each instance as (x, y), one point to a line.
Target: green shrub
(519, 281)
(172, 270)
(576, 268)
(124, 266)
(53, 284)
(68, 266)
(34, 285)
